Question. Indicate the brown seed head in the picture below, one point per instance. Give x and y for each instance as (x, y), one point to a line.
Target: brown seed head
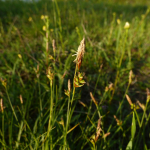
(2, 108)
(130, 76)
(105, 135)
(98, 130)
(118, 121)
(141, 105)
(129, 100)
(69, 86)
(37, 73)
(82, 103)
(21, 99)
(92, 97)
(80, 53)
(53, 45)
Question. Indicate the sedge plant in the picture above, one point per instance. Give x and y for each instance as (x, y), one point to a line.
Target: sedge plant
(77, 82)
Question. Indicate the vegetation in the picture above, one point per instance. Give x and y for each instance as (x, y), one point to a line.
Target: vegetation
(74, 75)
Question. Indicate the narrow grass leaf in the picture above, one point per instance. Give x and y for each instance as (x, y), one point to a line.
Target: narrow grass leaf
(129, 146)
(133, 127)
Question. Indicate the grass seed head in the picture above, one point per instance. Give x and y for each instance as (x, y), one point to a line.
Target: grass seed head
(129, 100)
(98, 130)
(84, 105)
(21, 99)
(69, 85)
(141, 105)
(105, 135)
(53, 45)
(80, 53)
(118, 121)
(93, 99)
(130, 76)
(2, 108)
(50, 75)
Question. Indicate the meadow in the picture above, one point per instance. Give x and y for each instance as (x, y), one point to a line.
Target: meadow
(74, 75)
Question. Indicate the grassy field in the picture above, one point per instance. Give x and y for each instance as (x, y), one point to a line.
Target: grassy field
(94, 100)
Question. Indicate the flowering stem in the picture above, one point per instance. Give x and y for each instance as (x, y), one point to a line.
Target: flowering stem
(67, 123)
(69, 114)
(50, 118)
(41, 114)
(73, 85)
(51, 109)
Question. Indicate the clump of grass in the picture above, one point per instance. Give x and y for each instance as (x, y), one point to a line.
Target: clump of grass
(111, 110)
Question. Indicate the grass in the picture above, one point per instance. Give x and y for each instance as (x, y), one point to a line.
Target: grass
(101, 101)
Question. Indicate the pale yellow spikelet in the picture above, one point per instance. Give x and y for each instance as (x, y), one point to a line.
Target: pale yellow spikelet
(129, 100)
(148, 94)
(141, 105)
(53, 45)
(118, 121)
(109, 87)
(80, 53)
(130, 76)
(93, 99)
(50, 74)
(2, 107)
(98, 130)
(69, 85)
(105, 135)
(82, 103)
(21, 99)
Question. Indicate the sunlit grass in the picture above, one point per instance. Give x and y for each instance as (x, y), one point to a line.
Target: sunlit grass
(74, 75)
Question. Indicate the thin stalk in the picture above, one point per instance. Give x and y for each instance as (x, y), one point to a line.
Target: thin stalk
(21, 127)
(73, 85)
(41, 108)
(11, 105)
(3, 129)
(50, 118)
(137, 118)
(51, 113)
(19, 134)
(67, 123)
(69, 114)
(47, 36)
(144, 114)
